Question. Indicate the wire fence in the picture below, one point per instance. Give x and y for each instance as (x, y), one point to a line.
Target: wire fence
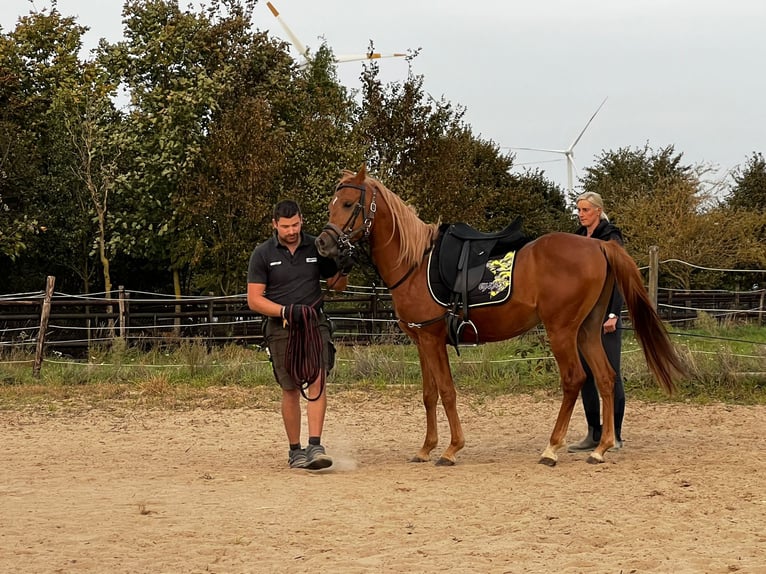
(361, 315)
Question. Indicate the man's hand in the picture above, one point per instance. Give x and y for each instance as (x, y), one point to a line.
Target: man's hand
(345, 263)
(297, 314)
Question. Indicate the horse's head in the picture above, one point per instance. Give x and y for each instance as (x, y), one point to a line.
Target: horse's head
(352, 210)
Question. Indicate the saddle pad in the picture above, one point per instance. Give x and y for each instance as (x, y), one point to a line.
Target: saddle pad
(495, 286)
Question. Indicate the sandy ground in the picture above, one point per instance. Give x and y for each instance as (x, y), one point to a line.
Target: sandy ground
(210, 491)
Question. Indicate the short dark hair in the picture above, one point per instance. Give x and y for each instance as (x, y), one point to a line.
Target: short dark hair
(286, 208)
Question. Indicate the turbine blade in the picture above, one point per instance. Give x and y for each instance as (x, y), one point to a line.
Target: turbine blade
(363, 57)
(541, 149)
(293, 38)
(577, 139)
(571, 160)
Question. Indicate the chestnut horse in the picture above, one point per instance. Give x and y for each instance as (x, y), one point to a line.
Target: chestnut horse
(561, 280)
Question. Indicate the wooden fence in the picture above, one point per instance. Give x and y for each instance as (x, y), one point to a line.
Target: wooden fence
(78, 322)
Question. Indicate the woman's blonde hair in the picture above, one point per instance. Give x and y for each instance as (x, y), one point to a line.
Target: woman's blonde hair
(594, 199)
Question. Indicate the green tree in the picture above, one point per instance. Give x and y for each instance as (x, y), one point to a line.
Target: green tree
(16, 150)
(90, 125)
(37, 60)
(228, 199)
(746, 207)
(422, 149)
(749, 190)
(279, 131)
(318, 115)
(656, 199)
(539, 201)
(177, 66)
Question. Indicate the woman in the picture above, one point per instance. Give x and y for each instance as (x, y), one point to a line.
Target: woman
(595, 223)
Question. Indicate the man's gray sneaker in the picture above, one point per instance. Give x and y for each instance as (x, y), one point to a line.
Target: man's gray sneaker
(317, 459)
(297, 458)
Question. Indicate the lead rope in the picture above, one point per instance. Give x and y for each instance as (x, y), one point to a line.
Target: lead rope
(304, 359)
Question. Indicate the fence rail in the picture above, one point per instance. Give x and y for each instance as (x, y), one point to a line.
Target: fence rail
(76, 322)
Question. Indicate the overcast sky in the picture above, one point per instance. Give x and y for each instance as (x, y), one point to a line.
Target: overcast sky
(532, 72)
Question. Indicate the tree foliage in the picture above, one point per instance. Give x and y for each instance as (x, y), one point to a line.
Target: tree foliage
(656, 199)
(163, 154)
(749, 190)
(38, 62)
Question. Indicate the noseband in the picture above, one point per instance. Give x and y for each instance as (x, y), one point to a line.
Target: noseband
(345, 235)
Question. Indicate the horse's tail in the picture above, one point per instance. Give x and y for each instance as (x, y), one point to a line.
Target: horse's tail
(661, 356)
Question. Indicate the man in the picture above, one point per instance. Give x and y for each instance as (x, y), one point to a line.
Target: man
(283, 284)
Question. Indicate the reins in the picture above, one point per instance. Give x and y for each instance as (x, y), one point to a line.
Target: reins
(304, 357)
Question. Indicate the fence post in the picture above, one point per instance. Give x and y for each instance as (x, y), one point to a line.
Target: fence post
(654, 273)
(121, 305)
(110, 317)
(44, 314)
(179, 309)
(126, 317)
(374, 326)
(210, 318)
(761, 318)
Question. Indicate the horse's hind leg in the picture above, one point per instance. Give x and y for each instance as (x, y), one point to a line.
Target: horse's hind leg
(603, 375)
(591, 346)
(564, 348)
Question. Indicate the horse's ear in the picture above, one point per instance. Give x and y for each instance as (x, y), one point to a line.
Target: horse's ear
(361, 174)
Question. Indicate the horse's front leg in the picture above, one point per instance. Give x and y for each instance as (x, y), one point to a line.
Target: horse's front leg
(430, 399)
(437, 382)
(433, 354)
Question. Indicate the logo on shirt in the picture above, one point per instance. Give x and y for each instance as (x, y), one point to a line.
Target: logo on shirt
(275, 263)
(311, 259)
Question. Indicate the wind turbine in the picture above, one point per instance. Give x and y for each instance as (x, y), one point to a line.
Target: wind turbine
(568, 152)
(338, 59)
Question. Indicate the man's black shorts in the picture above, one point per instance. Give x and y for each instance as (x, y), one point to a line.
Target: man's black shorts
(276, 337)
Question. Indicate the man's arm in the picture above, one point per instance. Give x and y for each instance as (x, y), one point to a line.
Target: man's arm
(259, 303)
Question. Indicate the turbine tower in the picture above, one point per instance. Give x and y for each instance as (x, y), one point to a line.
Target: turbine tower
(303, 51)
(568, 152)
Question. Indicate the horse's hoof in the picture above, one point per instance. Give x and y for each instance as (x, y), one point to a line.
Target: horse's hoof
(547, 461)
(417, 458)
(445, 462)
(595, 458)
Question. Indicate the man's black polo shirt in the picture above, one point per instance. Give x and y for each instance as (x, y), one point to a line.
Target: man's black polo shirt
(290, 279)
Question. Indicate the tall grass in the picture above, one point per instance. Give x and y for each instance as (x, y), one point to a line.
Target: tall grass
(725, 363)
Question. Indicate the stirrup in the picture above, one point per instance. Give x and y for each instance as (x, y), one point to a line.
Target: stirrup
(473, 326)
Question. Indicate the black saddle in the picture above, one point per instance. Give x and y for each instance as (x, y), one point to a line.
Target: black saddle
(463, 253)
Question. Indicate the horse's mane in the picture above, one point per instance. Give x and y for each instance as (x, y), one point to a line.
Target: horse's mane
(415, 236)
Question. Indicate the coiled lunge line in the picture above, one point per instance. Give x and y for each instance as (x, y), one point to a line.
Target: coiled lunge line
(304, 359)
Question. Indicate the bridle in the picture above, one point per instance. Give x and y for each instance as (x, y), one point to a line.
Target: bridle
(344, 235)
